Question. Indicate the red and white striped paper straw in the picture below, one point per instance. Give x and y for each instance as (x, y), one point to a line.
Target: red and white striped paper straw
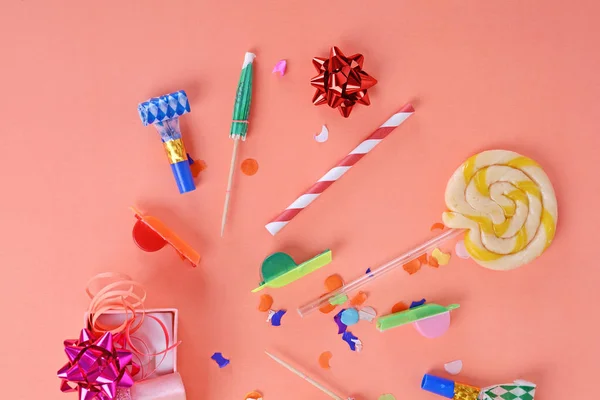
(340, 169)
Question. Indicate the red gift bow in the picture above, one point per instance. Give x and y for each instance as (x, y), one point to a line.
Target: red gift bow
(341, 82)
(96, 368)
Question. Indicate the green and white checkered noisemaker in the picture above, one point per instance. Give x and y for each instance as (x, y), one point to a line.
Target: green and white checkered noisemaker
(519, 390)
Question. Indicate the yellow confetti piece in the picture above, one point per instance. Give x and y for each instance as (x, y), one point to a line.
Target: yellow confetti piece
(441, 257)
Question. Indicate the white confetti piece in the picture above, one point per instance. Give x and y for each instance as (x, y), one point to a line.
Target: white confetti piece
(454, 367)
(367, 314)
(270, 316)
(323, 136)
(358, 344)
(461, 250)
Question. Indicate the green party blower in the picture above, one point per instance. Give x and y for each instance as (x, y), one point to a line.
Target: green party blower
(279, 269)
(413, 315)
(239, 124)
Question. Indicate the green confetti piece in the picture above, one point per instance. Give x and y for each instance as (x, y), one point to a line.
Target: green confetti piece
(338, 300)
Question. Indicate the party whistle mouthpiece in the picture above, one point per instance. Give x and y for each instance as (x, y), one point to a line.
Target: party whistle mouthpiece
(164, 112)
(449, 389)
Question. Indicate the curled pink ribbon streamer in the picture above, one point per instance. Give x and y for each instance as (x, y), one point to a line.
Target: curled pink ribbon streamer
(112, 291)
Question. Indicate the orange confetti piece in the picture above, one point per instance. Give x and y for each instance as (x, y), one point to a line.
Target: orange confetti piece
(197, 167)
(324, 359)
(437, 225)
(249, 166)
(358, 299)
(327, 308)
(413, 266)
(423, 259)
(266, 302)
(254, 396)
(398, 307)
(433, 262)
(333, 282)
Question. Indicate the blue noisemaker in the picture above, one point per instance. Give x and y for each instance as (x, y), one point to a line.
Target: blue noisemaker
(164, 112)
(449, 389)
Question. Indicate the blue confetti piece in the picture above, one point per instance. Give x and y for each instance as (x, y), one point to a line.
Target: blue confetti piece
(350, 317)
(338, 320)
(368, 271)
(349, 338)
(417, 303)
(276, 319)
(190, 160)
(220, 360)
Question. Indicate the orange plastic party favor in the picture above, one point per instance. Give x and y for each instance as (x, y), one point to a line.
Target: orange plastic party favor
(150, 234)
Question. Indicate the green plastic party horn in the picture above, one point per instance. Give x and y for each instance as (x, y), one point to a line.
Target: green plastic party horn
(280, 269)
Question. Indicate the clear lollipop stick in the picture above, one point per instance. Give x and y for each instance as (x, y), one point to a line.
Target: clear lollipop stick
(410, 255)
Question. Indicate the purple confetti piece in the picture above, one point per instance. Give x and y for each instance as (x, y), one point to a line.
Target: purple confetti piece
(338, 320)
(417, 303)
(349, 338)
(276, 319)
(220, 360)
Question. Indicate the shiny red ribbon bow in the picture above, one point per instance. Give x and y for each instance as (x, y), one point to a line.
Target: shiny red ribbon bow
(341, 82)
(96, 368)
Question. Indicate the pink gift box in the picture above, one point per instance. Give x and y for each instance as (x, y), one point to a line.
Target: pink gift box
(152, 335)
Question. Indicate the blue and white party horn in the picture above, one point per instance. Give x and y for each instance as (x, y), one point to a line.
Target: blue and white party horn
(164, 112)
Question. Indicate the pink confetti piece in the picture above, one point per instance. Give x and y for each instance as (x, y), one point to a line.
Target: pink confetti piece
(323, 135)
(454, 367)
(461, 250)
(280, 67)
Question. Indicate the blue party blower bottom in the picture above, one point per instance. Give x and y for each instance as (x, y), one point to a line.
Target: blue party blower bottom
(183, 176)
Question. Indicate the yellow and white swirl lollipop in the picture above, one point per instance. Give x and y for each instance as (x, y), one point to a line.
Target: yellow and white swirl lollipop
(507, 204)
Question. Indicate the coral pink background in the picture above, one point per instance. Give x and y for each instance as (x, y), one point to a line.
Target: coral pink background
(521, 75)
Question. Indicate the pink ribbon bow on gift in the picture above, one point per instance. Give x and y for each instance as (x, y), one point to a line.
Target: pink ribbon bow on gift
(96, 368)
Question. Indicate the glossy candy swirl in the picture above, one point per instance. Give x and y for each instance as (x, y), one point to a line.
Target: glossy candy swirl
(507, 203)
